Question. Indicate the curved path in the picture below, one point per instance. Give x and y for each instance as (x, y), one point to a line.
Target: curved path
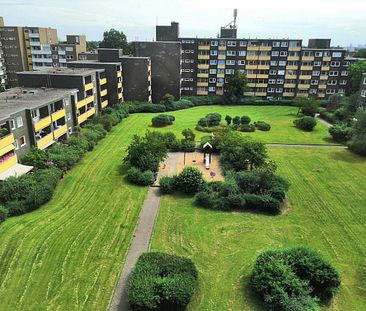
(140, 243)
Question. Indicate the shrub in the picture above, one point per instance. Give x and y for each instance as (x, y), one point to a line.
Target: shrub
(64, 156)
(305, 123)
(162, 120)
(228, 120)
(190, 180)
(80, 143)
(245, 120)
(167, 101)
(357, 146)
(167, 184)
(247, 128)
(136, 107)
(187, 145)
(3, 213)
(236, 120)
(262, 126)
(36, 158)
(182, 104)
(137, 177)
(106, 120)
(175, 146)
(188, 134)
(340, 132)
(262, 203)
(212, 119)
(161, 281)
(294, 279)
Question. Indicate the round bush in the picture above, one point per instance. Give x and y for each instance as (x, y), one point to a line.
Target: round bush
(340, 133)
(162, 120)
(190, 180)
(305, 123)
(167, 184)
(262, 126)
(161, 281)
(294, 279)
(247, 128)
(137, 177)
(245, 120)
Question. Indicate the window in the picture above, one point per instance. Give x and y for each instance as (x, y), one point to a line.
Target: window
(343, 82)
(314, 82)
(187, 60)
(282, 63)
(337, 54)
(274, 63)
(284, 44)
(211, 89)
(279, 81)
(317, 63)
(19, 121)
(316, 73)
(272, 72)
(214, 43)
(230, 62)
(330, 91)
(335, 64)
(279, 90)
(283, 53)
(275, 53)
(229, 71)
(231, 43)
(276, 44)
(16, 144)
(21, 141)
(213, 62)
(221, 62)
(213, 52)
(363, 93)
(68, 116)
(312, 91)
(212, 71)
(187, 51)
(364, 81)
(69, 49)
(333, 73)
(318, 54)
(231, 53)
(332, 82)
(243, 43)
(345, 73)
(241, 62)
(270, 90)
(242, 53)
(220, 80)
(271, 81)
(281, 72)
(212, 80)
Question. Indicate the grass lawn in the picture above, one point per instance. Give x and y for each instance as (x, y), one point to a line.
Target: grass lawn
(327, 197)
(280, 118)
(67, 254)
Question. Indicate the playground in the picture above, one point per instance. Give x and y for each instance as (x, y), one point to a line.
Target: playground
(176, 161)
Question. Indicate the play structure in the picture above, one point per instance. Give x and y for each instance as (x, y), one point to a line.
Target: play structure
(207, 151)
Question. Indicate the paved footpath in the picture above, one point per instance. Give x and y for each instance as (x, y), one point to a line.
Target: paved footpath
(326, 123)
(140, 243)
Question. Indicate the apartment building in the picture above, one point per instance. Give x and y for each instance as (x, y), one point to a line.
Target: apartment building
(112, 92)
(90, 83)
(363, 90)
(3, 76)
(32, 117)
(275, 68)
(165, 67)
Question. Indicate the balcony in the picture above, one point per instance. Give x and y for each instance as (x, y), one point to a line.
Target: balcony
(307, 58)
(6, 149)
(60, 52)
(253, 48)
(249, 93)
(88, 86)
(202, 83)
(302, 95)
(322, 87)
(305, 77)
(104, 104)
(204, 47)
(42, 123)
(119, 95)
(252, 57)
(59, 131)
(202, 92)
(87, 114)
(219, 92)
(260, 94)
(58, 114)
(251, 76)
(84, 101)
(119, 85)
(323, 77)
(203, 56)
(263, 67)
(35, 43)
(219, 84)
(261, 85)
(6, 141)
(251, 67)
(119, 74)
(41, 52)
(289, 85)
(294, 49)
(290, 77)
(202, 75)
(308, 68)
(292, 67)
(221, 57)
(33, 35)
(293, 58)
(327, 59)
(265, 48)
(203, 66)
(103, 92)
(264, 57)
(222, 48)
(221, 75)
(221, 66)
(251, 84)
(289, 94)
(304, 86)
(8, 162)
(45, 141)
(321, 95)
(103, 81)
(325, 68)
(41, 60)
(262, 76)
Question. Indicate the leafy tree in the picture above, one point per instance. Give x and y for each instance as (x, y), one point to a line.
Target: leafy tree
(235, 86)
(356, 71)
(358, 140)
(307, 106)
(340, 132)
(92, 45)
(115, 39)
(361, 53)
(190, 180)
(228, 119)
(168, 101)
(188, 134)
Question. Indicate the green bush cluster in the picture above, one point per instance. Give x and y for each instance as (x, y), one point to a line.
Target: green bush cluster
(305, 123)
(259, 190)
(160, 281)
(189, 181)
(162, 120)
(19, 195)
(137, 177)
(262, 126)
(210, 120)
(340, 132)
(294, 279)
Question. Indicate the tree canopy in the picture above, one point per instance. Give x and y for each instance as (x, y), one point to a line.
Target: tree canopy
(356, 71)
(115, 39)
(361, 53)
(235, 87)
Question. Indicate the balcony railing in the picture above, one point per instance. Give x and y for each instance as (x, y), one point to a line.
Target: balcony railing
(103, 81)
(6, 141)
(58, 114)
(104, 103)
(45, 141)
(42, 123)
(84, 101)
(8, 161)
(103, 92)
(88, 86)
(59, 131)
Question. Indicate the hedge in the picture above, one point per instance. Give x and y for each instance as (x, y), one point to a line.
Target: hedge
(161, 281)
(162, 120)
(305, 123)
(137, 177)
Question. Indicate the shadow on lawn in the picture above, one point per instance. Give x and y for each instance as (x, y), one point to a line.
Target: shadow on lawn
(345, 155)
(251, 299)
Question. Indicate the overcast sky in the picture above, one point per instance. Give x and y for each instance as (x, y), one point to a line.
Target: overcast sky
(342, 20)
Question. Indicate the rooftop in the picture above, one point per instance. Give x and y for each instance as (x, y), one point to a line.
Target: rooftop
(63, 71)
(18, 98)
(94, 62)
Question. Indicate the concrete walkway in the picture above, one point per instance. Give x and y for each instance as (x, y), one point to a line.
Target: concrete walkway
(326, 123)
(140, 243)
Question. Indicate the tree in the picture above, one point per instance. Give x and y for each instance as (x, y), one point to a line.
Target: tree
(245, 120)
(356, 71)
(358, 140)
(235, 86)
(190, 180)
(361, 53)
(228, 119)
(307, 106)
(188, 134)
(92, 45)
(115, 39)
(168, 101)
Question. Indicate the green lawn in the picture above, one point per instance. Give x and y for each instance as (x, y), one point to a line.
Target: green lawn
(327, 212)
(280, 118)
(67, 254)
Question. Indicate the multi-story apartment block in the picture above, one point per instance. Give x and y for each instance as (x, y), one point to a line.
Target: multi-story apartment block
(113, 72)
(90, 83)
(32, 117)
(165, 67)
(363, 90)
(275, 68)
(35, 48)
(3, 76)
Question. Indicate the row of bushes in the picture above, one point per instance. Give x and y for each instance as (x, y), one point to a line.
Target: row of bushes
(160, 281)
(294, 279)
(19, 195)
